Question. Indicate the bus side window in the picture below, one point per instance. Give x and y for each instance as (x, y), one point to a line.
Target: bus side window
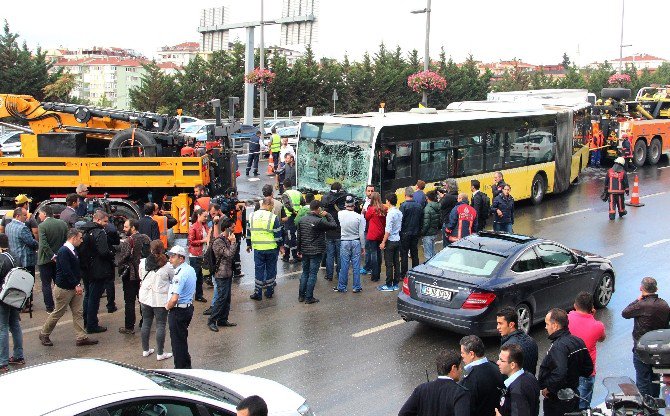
(515, 153)
(397, 161)
(436, 162)
(494, 151)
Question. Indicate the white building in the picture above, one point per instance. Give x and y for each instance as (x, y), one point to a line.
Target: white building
(180, 55)
(291, 55)
(640, 61)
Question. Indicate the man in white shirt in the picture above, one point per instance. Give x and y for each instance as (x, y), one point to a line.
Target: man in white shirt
(352, 245)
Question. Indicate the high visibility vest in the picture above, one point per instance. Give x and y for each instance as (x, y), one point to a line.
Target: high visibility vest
(162, 228)
(262, 230)
(275, 146)
(203, 202)
(295, 198)
(238, 223)
(466, 221)
(615, 181)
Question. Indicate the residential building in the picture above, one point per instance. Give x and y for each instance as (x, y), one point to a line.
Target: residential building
(180, 55)
(291, 55)
(640, 61)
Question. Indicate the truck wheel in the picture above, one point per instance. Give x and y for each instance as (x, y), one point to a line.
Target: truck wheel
(616, 93)
(119, 215)
(654, 152)
(123, 144)
(537, 189)
(640, 152)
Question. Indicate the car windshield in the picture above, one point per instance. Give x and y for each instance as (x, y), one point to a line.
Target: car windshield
(460, 260)
(192, 128)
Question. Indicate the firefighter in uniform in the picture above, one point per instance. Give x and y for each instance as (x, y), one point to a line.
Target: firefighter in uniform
(462, 219)
(292, 201)
(596, 143)
(616, 183)
(627, 152)
(275, 147)
(264, 235)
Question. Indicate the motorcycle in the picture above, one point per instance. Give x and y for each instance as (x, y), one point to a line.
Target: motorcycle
(623, 399)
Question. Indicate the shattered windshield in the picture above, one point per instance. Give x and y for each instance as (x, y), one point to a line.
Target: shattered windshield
(330, 153)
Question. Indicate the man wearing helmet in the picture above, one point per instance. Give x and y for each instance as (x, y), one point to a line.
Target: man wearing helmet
(627, 152)
(616, 183)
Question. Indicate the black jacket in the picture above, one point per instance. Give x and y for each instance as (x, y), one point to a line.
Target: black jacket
(522, 397)
(485, 383)
(506, 206)
(447, 203)
(567, 359)
(95, 255)
(650, 313)
(412, 218)
(332, 203)
(149, 227)
(312, 229)
(528, 346)
(431, 219)
(441, 397)
(68, 271)
(497, 188)
(478, 205)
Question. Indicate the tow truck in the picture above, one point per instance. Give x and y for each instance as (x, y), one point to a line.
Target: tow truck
(125, 157)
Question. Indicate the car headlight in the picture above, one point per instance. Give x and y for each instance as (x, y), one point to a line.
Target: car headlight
(305, 410)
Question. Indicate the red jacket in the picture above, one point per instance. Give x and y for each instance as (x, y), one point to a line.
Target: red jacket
(195, 233)
(376, 224)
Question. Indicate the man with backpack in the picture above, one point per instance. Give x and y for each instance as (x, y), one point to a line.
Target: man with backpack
(9, 316)
(128, 256)
(481, 203)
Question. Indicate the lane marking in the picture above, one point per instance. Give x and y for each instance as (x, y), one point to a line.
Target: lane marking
(564, 215)
(613, 256)
(652, 195)
(664, 167)
(270, 362)
(655, 243)
(39, 328)
(377, 328)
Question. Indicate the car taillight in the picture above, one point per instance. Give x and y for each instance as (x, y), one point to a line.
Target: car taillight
(478, 300)
(405, 285)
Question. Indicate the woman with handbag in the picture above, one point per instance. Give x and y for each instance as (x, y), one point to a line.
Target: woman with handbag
(156, 274)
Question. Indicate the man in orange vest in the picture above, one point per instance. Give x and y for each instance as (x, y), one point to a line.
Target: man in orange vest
(596, 143)
(462, 219)
(164, 224)
(200, 198)
(616, 183)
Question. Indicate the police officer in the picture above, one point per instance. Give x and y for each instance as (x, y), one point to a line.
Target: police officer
(627, 152)
(292, 201)
(180, 305)
(275, 147)
(254, 153)
(616, 183)
(264, 235)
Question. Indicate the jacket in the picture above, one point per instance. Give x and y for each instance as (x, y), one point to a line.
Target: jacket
(149, 227)
(254, 144)
(650, 313)
(95, 255)
(567, 360)
(616, 180)
(69, 216)
(129, 255)
(224, 252)
(52, 234)
(522, 397)
(431, 219)
(412, 218)
(195, 235)
(333, 202)
(155, 282)
(441, 397)
(496, 189)
(462, 221)
(376, 224)
(484, 382)
(506, 206)
(312, 229)
(6, 265)
(68, 270)
(447, 203)
(22, 243)
(478, 205)
(528, 346)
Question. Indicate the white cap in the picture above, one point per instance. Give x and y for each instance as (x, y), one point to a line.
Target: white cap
(177, 250)
(620, 160)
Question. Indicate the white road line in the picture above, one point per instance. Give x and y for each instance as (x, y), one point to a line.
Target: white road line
(664, 167)
(651, 195)
(655, 243)
(613, 256)
(39, 328)
(269, 362)
(377, 328)
(564, 215)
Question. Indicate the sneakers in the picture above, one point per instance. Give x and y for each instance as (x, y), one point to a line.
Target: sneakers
(212, 327)
(226, 324)
(207, 311)
(44, 339)
(357, 290)
(127, 331)
(164, 356)
(16, 361)
(256, 296)
(148, 353)
(385, 288)
(201, 299)
(335, 289)
(301, 298)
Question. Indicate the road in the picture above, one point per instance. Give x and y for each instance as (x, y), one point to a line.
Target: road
(350, 354)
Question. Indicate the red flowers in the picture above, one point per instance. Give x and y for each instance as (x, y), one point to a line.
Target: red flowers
(426, 81)
(619, 79)
(260, 77)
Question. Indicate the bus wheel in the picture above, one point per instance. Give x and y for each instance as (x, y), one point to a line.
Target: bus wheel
(654, 152)
(537, 189)
(640, 153)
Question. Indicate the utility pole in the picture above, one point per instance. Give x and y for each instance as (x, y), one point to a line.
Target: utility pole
(262, 88)
(621, 45)
(426, 58)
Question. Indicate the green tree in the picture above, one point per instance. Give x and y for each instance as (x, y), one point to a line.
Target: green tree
(195, 92)
(572, 79)
(61, 88)
(105, 102)
(157, 90)
(596, 78)
(516, 79)
(566, 61)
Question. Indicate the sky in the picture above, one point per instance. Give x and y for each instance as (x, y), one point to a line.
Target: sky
(535, 31)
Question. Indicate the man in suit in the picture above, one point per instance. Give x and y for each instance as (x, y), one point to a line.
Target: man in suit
(147, 225)
(69, 214)
(480, 376)
(521, 396)
(52, 235)
(441, 397)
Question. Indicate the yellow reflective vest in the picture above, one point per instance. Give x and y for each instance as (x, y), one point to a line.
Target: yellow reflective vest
(262, 230)
(275, 146)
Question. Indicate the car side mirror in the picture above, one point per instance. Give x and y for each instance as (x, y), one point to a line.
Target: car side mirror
(581, 259)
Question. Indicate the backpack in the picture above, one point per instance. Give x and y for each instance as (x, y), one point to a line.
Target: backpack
(209, 261)
(18, 286)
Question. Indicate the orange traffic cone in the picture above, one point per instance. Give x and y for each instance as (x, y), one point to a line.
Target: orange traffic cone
(271, 164)
(635, 197)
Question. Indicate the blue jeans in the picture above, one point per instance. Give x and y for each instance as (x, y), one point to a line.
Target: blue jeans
(644, 377)
(332, 257)
(265, 262)
(216, 293)
(428, 246)
(505, 227)
(375, 259)
(221, 309)
(350, 253)
(9, 322)
(585, 390)
(196, 263)
(310, 267)
(367, 264)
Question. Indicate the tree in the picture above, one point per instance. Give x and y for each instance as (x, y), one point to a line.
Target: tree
(566, 61)
(515, 79)
(105, 102)
(157, 90)
(61, 88)
(195, 92)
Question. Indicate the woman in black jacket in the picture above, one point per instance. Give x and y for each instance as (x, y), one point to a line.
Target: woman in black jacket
(503, 211)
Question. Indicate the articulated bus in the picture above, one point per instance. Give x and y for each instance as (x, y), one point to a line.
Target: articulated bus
(535, 139)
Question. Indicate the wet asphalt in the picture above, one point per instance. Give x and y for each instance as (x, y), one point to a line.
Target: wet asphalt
(350, 354)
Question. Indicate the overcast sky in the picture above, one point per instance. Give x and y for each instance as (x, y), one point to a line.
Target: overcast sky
(538, 32)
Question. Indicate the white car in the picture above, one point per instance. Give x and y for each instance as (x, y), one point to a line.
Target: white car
(10, 144)
(185, 121)
(92, 387)
(197, 131)
(537, 146)
(291, 132)
(278, 124)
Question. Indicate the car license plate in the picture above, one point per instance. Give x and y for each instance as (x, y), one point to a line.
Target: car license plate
(436, 292)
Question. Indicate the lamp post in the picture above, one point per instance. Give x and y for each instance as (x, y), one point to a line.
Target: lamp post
(621, 45)
(426, 58)
(262, 87)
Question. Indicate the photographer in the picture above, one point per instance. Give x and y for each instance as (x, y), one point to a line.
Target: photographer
(235, 210)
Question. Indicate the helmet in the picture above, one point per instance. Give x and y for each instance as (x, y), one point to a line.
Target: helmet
(624, 136)
(620, 161)
(211, 145)
(187, 151)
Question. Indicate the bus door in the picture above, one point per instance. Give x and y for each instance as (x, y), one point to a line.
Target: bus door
(397, 165)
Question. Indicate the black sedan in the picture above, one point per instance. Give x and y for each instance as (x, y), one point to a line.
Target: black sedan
(464, 285)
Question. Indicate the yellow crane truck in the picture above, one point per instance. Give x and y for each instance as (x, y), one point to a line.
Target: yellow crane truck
(125, 157)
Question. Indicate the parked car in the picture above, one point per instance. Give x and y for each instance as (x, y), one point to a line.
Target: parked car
(10, 144)
(246, 132)
(277, 123)
(464, 285)
(291, 132)
(185, 121)
(197, 131)
(126, 390)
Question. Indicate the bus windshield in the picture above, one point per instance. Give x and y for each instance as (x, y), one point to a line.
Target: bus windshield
(334, 153)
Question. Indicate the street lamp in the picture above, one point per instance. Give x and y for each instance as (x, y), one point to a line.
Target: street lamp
(621, 45)
(426, 59)
(262, 88)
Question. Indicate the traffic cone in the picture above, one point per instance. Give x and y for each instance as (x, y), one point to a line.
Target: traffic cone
(635, 197)
(271, 164)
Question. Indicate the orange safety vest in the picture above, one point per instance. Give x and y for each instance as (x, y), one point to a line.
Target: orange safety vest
(203, 202)
(162, 228)
(238, 223)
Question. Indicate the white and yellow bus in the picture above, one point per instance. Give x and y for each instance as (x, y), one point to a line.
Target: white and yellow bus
(533, 137)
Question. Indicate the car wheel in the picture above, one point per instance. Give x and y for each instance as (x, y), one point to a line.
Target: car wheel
(640, 152)
(525, 317)
(654, 153)
(538, 189)
(604, 290)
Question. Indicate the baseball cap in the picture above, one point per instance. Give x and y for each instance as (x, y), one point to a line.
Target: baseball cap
(177, 250)
(349, 201)
(22, 199)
